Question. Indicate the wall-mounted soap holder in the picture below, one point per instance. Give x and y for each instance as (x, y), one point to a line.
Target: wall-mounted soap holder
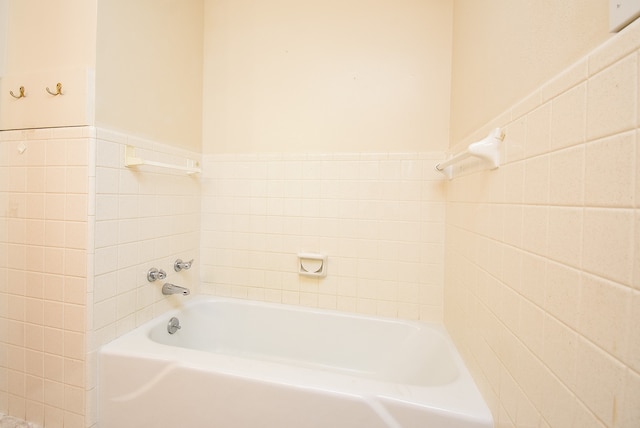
(312, 264)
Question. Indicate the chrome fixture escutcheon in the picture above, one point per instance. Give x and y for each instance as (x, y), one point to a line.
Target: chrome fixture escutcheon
(179, 265)
(174, 325)
(155, 274)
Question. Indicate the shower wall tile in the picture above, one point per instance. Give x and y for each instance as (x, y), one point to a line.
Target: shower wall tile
(145, 217)
(565, 235)
(562, 293)
(538, 131)
(633, 335)
(565, 80)
(141, 218)
(610, 170)
(636, 251)
(45, 237)
(566, 172)
(612, 99)
(378, 217)
(70, 210)
(545, 310)
(604, 314)
(568, 118)
(526, 105)
(637, 172)
(608, 243)
(535, 229)
(536, 180)
(614, 49)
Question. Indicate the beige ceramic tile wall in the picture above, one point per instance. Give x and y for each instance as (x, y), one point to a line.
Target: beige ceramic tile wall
(542, 287)
(144, 217)
(378, 217)
(43, 274)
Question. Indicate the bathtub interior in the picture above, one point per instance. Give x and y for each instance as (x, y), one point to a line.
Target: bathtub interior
(377, 348)
(241, 364)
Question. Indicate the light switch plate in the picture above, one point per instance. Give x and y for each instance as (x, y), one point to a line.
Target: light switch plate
(622, 13)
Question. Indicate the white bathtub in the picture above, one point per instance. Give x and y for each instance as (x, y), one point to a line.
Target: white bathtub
(244, 364)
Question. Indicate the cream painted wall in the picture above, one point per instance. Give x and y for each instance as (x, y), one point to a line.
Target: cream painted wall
(41, 44)
(149, 69)
(49, 35)
(326, 75)
(4, 23)
(504, 49)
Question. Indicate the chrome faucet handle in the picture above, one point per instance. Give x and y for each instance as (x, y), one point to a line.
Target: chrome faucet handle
(154, 274)
(179, 265)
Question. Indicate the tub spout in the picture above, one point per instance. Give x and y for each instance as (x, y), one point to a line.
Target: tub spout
(174, 289)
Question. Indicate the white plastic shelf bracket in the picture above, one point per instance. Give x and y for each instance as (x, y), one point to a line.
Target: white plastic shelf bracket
(487, 149)
(131, 160)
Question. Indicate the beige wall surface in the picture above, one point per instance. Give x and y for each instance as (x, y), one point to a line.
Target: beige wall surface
(149, 70)
(284, 76)
(42, 44)
(3, 36)
(504, 49)
(49, 35)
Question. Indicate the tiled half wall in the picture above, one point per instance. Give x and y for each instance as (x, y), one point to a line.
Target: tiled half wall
(44, 273)
(542, 287)
(378, 217)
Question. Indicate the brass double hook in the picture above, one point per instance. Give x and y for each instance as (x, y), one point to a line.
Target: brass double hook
(21, 93)
(58, 90)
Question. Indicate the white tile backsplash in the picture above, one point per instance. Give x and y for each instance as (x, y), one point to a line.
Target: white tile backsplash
(46, 266)
(370, 213)
(73, 213)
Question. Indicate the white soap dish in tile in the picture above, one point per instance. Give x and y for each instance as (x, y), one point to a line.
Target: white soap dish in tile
(312, 264)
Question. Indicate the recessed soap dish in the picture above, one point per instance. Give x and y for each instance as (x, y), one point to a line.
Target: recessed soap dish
(312, 264)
